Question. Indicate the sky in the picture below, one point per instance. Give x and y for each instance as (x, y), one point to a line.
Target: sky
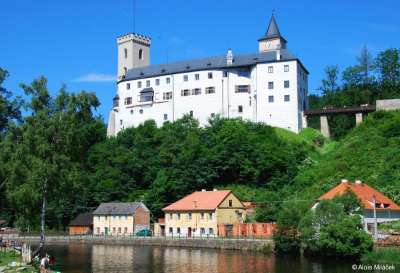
(73, 42)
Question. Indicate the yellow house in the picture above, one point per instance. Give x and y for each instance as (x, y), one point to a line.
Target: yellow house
(200, 213)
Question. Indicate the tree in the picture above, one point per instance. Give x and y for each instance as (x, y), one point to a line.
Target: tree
(330, 230)
(330, 82)
(9, 107)
(46, 155)
(365, 65)
(387, 65)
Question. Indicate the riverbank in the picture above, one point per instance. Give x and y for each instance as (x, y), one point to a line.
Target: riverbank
(383, 255)
(10, 261)
(263, 245)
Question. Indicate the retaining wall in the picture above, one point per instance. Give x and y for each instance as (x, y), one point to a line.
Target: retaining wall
(215, 243)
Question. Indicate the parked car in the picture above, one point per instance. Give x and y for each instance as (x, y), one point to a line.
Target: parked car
(144, 233)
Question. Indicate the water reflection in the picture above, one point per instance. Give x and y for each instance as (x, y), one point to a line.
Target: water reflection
(85, 258)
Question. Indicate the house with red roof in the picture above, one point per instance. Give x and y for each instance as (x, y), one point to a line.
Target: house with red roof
(200, 213)
(370, 199)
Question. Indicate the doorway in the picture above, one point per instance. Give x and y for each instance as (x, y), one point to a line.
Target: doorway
(190, 232)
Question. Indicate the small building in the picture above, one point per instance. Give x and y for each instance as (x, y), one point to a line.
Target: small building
(386, 210)
(120, 218)
(200, 213)
(159, 227)
(82, 224)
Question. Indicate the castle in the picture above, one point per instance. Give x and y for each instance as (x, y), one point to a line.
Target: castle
(269, 86)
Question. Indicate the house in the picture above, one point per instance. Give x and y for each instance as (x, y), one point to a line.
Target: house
(200, 213)
(268, 86)
(82, 224)
(120, 218)
(386, 210)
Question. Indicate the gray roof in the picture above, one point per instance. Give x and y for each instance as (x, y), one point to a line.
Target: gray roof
(272, 30)
(83, 219)
(216, 62)
(119, 208)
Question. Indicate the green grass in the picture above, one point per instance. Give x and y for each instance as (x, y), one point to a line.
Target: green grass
(382, 255)
(6, 257)
(390, 227)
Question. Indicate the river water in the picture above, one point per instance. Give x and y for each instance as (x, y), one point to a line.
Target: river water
(85, 258)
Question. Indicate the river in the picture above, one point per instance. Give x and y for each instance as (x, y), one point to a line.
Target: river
(85, 258)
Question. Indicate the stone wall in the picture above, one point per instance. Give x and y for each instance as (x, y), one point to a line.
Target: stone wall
(388, 104)
(215, 243)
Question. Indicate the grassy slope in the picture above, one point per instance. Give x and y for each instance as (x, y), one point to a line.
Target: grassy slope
(370, 152)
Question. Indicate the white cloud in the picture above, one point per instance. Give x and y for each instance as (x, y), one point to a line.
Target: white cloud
(96, 77)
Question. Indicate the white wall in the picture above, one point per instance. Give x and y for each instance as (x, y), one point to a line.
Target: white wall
(224, 101)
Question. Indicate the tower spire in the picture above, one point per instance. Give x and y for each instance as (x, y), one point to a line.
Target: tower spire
(272, 38)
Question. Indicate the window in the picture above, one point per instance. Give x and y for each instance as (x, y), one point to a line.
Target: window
(191, 113)
(140, 54)
(225, 74)
(131, 111)
(185, 92)
(125, 230)
(197, 77)
(146, 96)
(119, 230)
(202, 216)
(286, 98)
(120, 123)
(167, 80)
(185, 78)
(139, 84)
(148, 83)
(170, 230)
(270, 85)
(210, 90)
(98, 230)
(125, 53)
(270, 98)
(242, 88)
(114, 230)
(125, 70)
(126, 217)
(286, 68)
(210, 215)
(157, 81)
(202, 231)
(190, 216)
(211, 231)
(240, 109)
(128, 86)
(286, 84)
(212, 115)
(210, 75)
(270, 69)
(230, 203)
(178, 230)
(141, 111)
(165, 116)
(167, 95)
(196, 91)
(178, 216)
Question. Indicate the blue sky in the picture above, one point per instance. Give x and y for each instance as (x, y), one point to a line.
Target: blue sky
(73, 41)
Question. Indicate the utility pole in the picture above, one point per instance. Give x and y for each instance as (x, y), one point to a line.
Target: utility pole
(375, 221)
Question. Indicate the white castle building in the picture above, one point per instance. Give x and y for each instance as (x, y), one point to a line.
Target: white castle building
(269, 86)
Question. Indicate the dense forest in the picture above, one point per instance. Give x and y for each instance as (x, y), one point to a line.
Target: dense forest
(57, 150)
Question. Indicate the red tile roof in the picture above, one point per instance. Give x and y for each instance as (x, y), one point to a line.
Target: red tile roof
(364, 193)
(199, 200)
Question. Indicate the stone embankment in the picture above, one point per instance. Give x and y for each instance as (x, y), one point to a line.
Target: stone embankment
(265, 245)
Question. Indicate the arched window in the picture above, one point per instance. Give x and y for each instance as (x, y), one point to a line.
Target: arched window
(140, 54)
(126, 53)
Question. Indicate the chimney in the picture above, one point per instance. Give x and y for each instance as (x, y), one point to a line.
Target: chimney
(344, 181)
(229, 57)
(203, 189)
(358, 182)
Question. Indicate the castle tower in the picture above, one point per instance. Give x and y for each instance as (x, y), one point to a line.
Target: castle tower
(272, 40)
(133, 52)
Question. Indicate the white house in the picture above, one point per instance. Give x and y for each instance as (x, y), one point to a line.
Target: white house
(269, 86)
